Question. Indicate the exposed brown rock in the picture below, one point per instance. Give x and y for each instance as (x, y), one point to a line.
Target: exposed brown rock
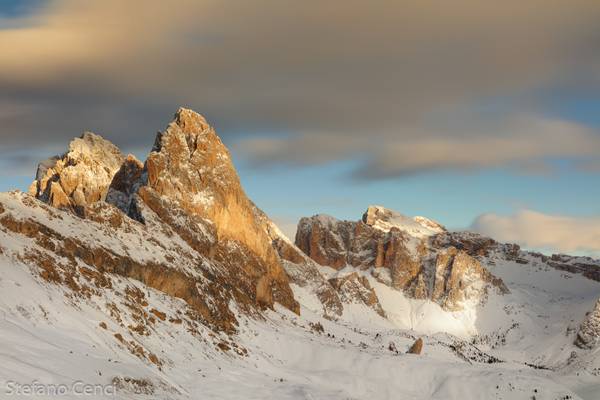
(166, 279)
(316, 327)
(199, 233)
(586, 266)
(417, 347)
(374, 214)
(81, 176)
(403, 265)
(318, 237)
(473, 244)
(301, 270)
(159, 314)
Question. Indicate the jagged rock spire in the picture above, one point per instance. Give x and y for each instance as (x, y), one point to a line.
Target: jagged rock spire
(79, 177)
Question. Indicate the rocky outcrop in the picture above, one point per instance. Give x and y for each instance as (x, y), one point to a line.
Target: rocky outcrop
(481, 247)
(404, 253)
(459, 278)
(326, 240)
(334, 293)
(81, 176)
(125, 185)
(337, 244)
(307, 276)
(417, 347)
(473, 244)
(588, 336)
(354, 288)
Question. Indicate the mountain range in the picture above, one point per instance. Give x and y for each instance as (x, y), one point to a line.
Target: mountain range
(162, 279)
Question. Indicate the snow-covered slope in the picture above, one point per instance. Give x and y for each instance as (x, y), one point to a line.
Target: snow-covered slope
(51, 338)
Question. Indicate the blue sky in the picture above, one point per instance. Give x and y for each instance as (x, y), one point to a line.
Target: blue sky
(470, 110)
(453, 198)
(17, 8)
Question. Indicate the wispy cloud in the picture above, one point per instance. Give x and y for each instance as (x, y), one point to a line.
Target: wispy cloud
(524, 143)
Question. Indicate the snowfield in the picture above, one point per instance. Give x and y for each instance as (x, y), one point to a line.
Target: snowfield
(49, 338)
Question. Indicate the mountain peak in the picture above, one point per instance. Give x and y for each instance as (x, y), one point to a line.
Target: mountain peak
(190, 163)
(190, 169)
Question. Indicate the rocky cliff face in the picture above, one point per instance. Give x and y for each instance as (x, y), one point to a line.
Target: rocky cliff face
(191, 168)
(79, 177)
(459, 278)
(401, 252)
(354, 288)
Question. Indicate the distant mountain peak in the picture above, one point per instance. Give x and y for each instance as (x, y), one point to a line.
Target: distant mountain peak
(406, 254)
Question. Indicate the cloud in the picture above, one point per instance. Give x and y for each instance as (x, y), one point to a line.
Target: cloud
(536, 230)
(525, 143)
(591, 165)
(367, 80)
